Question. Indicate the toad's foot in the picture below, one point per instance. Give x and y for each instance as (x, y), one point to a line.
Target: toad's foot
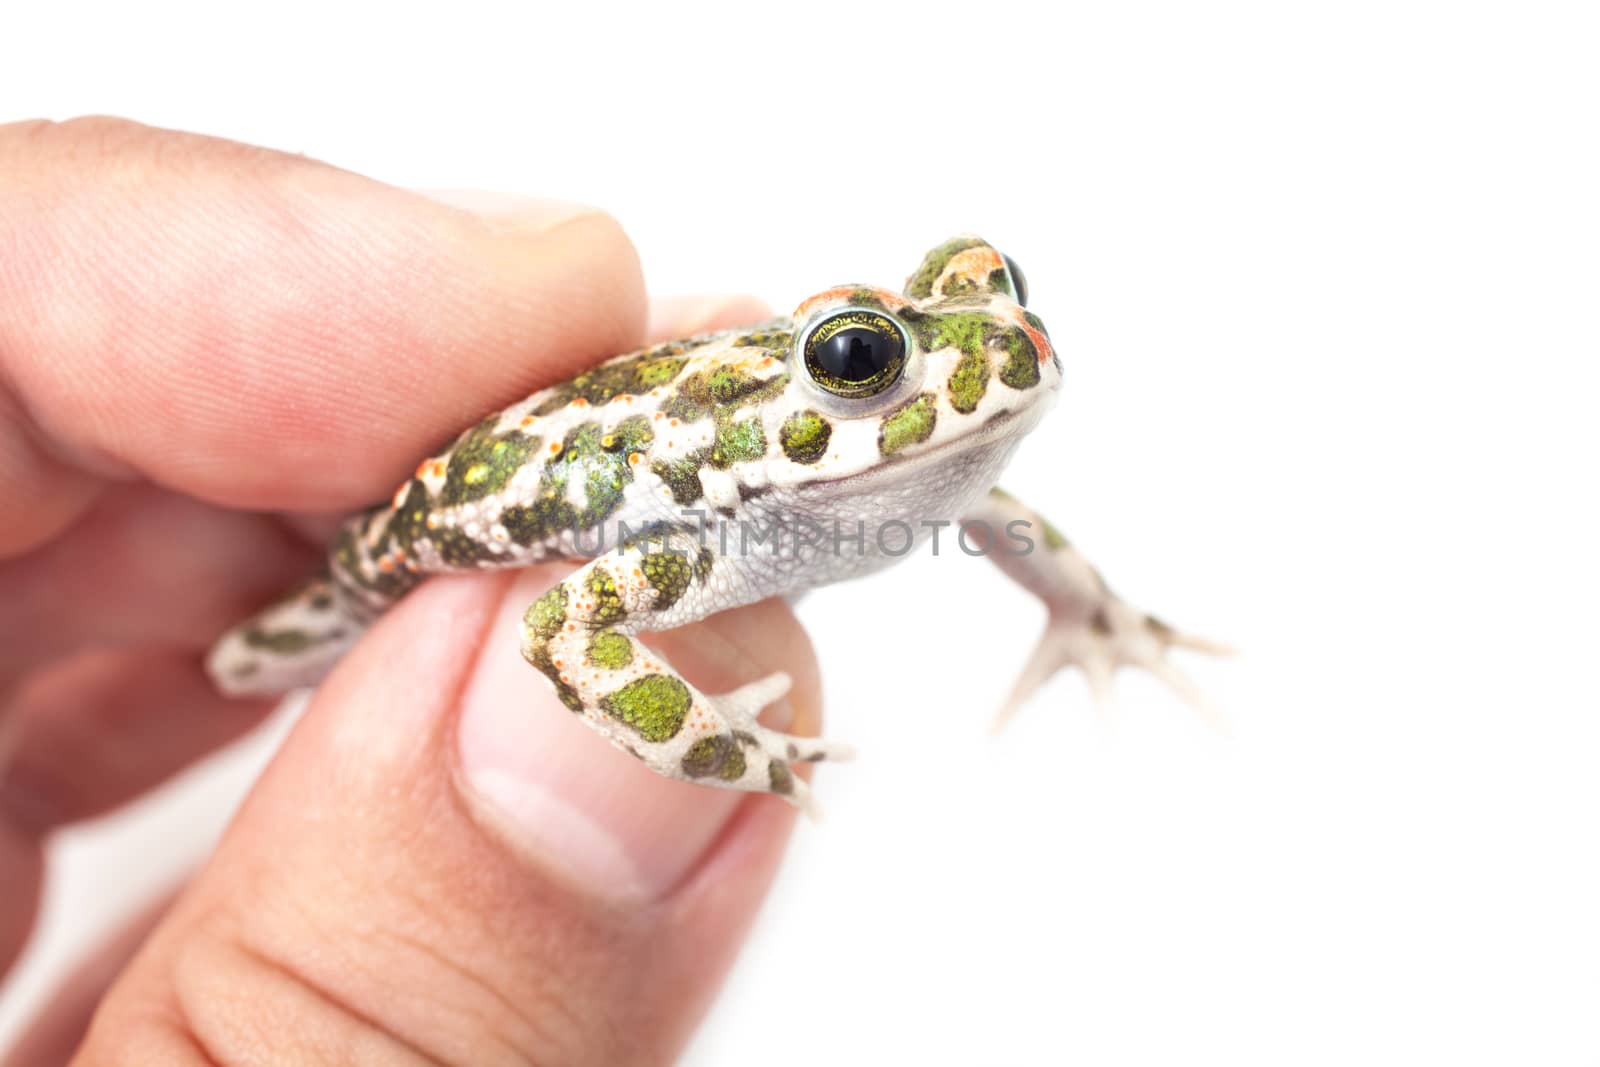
(1089, 626)
(289, 644)
(741, 707)
(1115, 635)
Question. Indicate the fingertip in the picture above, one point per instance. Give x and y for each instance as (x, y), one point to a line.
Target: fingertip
(267, 331)
(673, 317)
(22, 858)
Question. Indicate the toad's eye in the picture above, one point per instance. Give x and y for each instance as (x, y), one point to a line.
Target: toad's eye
(1019, 284)
(855, 353)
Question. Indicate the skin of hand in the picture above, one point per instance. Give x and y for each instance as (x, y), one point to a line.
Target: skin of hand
(208, 351)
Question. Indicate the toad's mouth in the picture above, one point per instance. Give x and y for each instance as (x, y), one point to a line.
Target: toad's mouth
(1004, 427)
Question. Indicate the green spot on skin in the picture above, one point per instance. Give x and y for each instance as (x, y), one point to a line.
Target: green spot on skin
(482, 462)
(632, 434)
(628, 375)
(581, 444)
(776, 338)
(544, 619)
(719, 755)
(682, 476)
(603, 486)
(720, 391)
(610, 651)
(607, 600)
(867, 298)
(654, 706)
(804, 436)
(920, 285)
(728, 383)
(539, 655)
(968, 381)
(596, 461)
(973, 334)
(546, 615)
(523, 523)
(1021, 369)
(409, 521)
(280, 641)
(458, 549)
(911, 425)
(651, 373)
(347, 556)
(669, 574)
(687, 404)
(779, 780)
(966, 331)
(738, 442)
(999, 282)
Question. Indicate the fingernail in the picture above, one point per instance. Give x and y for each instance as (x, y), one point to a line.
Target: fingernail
(560, 792)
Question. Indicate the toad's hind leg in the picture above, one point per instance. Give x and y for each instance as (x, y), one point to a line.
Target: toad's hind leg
(296, 641)
(290, 644)
(582, 636)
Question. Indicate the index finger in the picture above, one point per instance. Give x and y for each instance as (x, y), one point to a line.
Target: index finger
(262, 330)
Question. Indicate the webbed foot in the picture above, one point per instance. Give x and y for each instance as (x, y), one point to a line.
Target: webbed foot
(1113, 635)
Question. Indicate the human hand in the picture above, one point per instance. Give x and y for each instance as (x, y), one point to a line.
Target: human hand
(206, 351)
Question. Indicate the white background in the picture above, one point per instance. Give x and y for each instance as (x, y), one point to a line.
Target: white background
(1324, 278)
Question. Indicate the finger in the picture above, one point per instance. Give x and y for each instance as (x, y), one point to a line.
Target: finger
(56, 492)
(370, 893)
(263, 330)
(101, 728)
(22, 860)
(684, 316)
(52, 1037)
(181, 572)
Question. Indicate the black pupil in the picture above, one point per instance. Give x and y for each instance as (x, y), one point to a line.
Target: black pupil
(1017, 280)
(856, 354)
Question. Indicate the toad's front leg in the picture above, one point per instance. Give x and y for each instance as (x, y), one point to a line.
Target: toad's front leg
(582, 636)
(1089, 626)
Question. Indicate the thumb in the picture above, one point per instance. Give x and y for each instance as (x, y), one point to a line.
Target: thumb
(444, 865)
